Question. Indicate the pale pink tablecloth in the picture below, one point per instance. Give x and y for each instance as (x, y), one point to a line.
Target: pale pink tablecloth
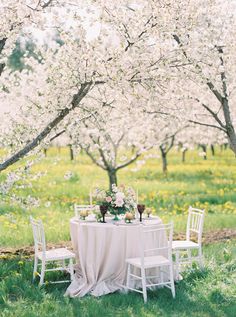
(101, 250)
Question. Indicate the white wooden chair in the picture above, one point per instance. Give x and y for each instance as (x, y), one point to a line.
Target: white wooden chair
(79, 208)
(60, 255)
(153, 258)
(183, 248)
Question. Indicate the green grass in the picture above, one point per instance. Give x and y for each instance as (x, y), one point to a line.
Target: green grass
(210, 292)
(206, 184)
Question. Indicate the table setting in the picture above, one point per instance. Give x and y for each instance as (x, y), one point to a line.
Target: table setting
(104, 238)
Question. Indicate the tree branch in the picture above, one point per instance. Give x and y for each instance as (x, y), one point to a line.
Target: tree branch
(133, 159)
(2, 45)
(198, 67)
(57, 135)
(207, 125)
(84, 89)
(214, 114)
(93, 158)
(97, 142)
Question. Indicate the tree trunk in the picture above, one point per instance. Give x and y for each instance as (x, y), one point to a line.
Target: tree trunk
(72, 157)
(204, 148)
(184, 155)
(212, 150)
(164, 160)
(112, 177)
(2, 44)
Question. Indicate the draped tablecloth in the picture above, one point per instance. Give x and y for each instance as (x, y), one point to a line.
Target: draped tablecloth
(101, 250)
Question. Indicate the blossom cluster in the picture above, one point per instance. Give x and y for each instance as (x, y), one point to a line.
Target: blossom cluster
(118, 199)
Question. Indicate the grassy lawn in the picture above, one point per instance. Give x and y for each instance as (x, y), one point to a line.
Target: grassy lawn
(205, 184)
(209, 293)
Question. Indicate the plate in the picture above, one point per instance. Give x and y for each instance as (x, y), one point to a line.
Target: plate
(126, 223)
(86, 220)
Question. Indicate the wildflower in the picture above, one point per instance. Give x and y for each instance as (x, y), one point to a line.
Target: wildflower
(47, 204)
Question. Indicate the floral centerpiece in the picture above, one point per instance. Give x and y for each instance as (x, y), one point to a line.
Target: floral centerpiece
(119, 200)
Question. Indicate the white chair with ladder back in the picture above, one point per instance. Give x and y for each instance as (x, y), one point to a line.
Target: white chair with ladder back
(159, 256)
(183, 248)
(60, 255)
(79, 208)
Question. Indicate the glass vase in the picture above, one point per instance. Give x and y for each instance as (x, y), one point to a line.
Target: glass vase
(116, 218)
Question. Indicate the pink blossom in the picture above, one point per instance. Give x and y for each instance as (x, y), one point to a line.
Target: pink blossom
(120, 195)
(108, 199)
(119, 202)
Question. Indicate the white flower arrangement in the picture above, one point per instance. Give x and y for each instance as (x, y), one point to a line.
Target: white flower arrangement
(119, 199)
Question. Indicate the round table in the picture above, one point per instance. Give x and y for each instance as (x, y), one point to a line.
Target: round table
(101, 250)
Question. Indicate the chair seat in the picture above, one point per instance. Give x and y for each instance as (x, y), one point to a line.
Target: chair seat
(184, 244)
(149, 261)
(57, 254)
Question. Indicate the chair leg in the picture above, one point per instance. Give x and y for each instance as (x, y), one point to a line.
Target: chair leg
(177, 265)
(128, 277)
(143, 275)
(35, 267)
(200, 258)
(63, 264)
(71, 269)
(189, 256)
(42, 273)
(161, 276)
(172, 281)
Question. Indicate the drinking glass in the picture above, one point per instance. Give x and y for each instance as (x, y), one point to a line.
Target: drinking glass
(141, 209)
(103, 210)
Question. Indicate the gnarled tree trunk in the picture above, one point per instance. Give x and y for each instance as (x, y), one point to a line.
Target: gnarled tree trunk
(72, 156)
(164, 160)
(184, 155)
(204, 148)
(112, 174)
(212, 150)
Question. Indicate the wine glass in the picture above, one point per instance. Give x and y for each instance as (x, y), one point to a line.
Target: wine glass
(103, 210)
(141, 209)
